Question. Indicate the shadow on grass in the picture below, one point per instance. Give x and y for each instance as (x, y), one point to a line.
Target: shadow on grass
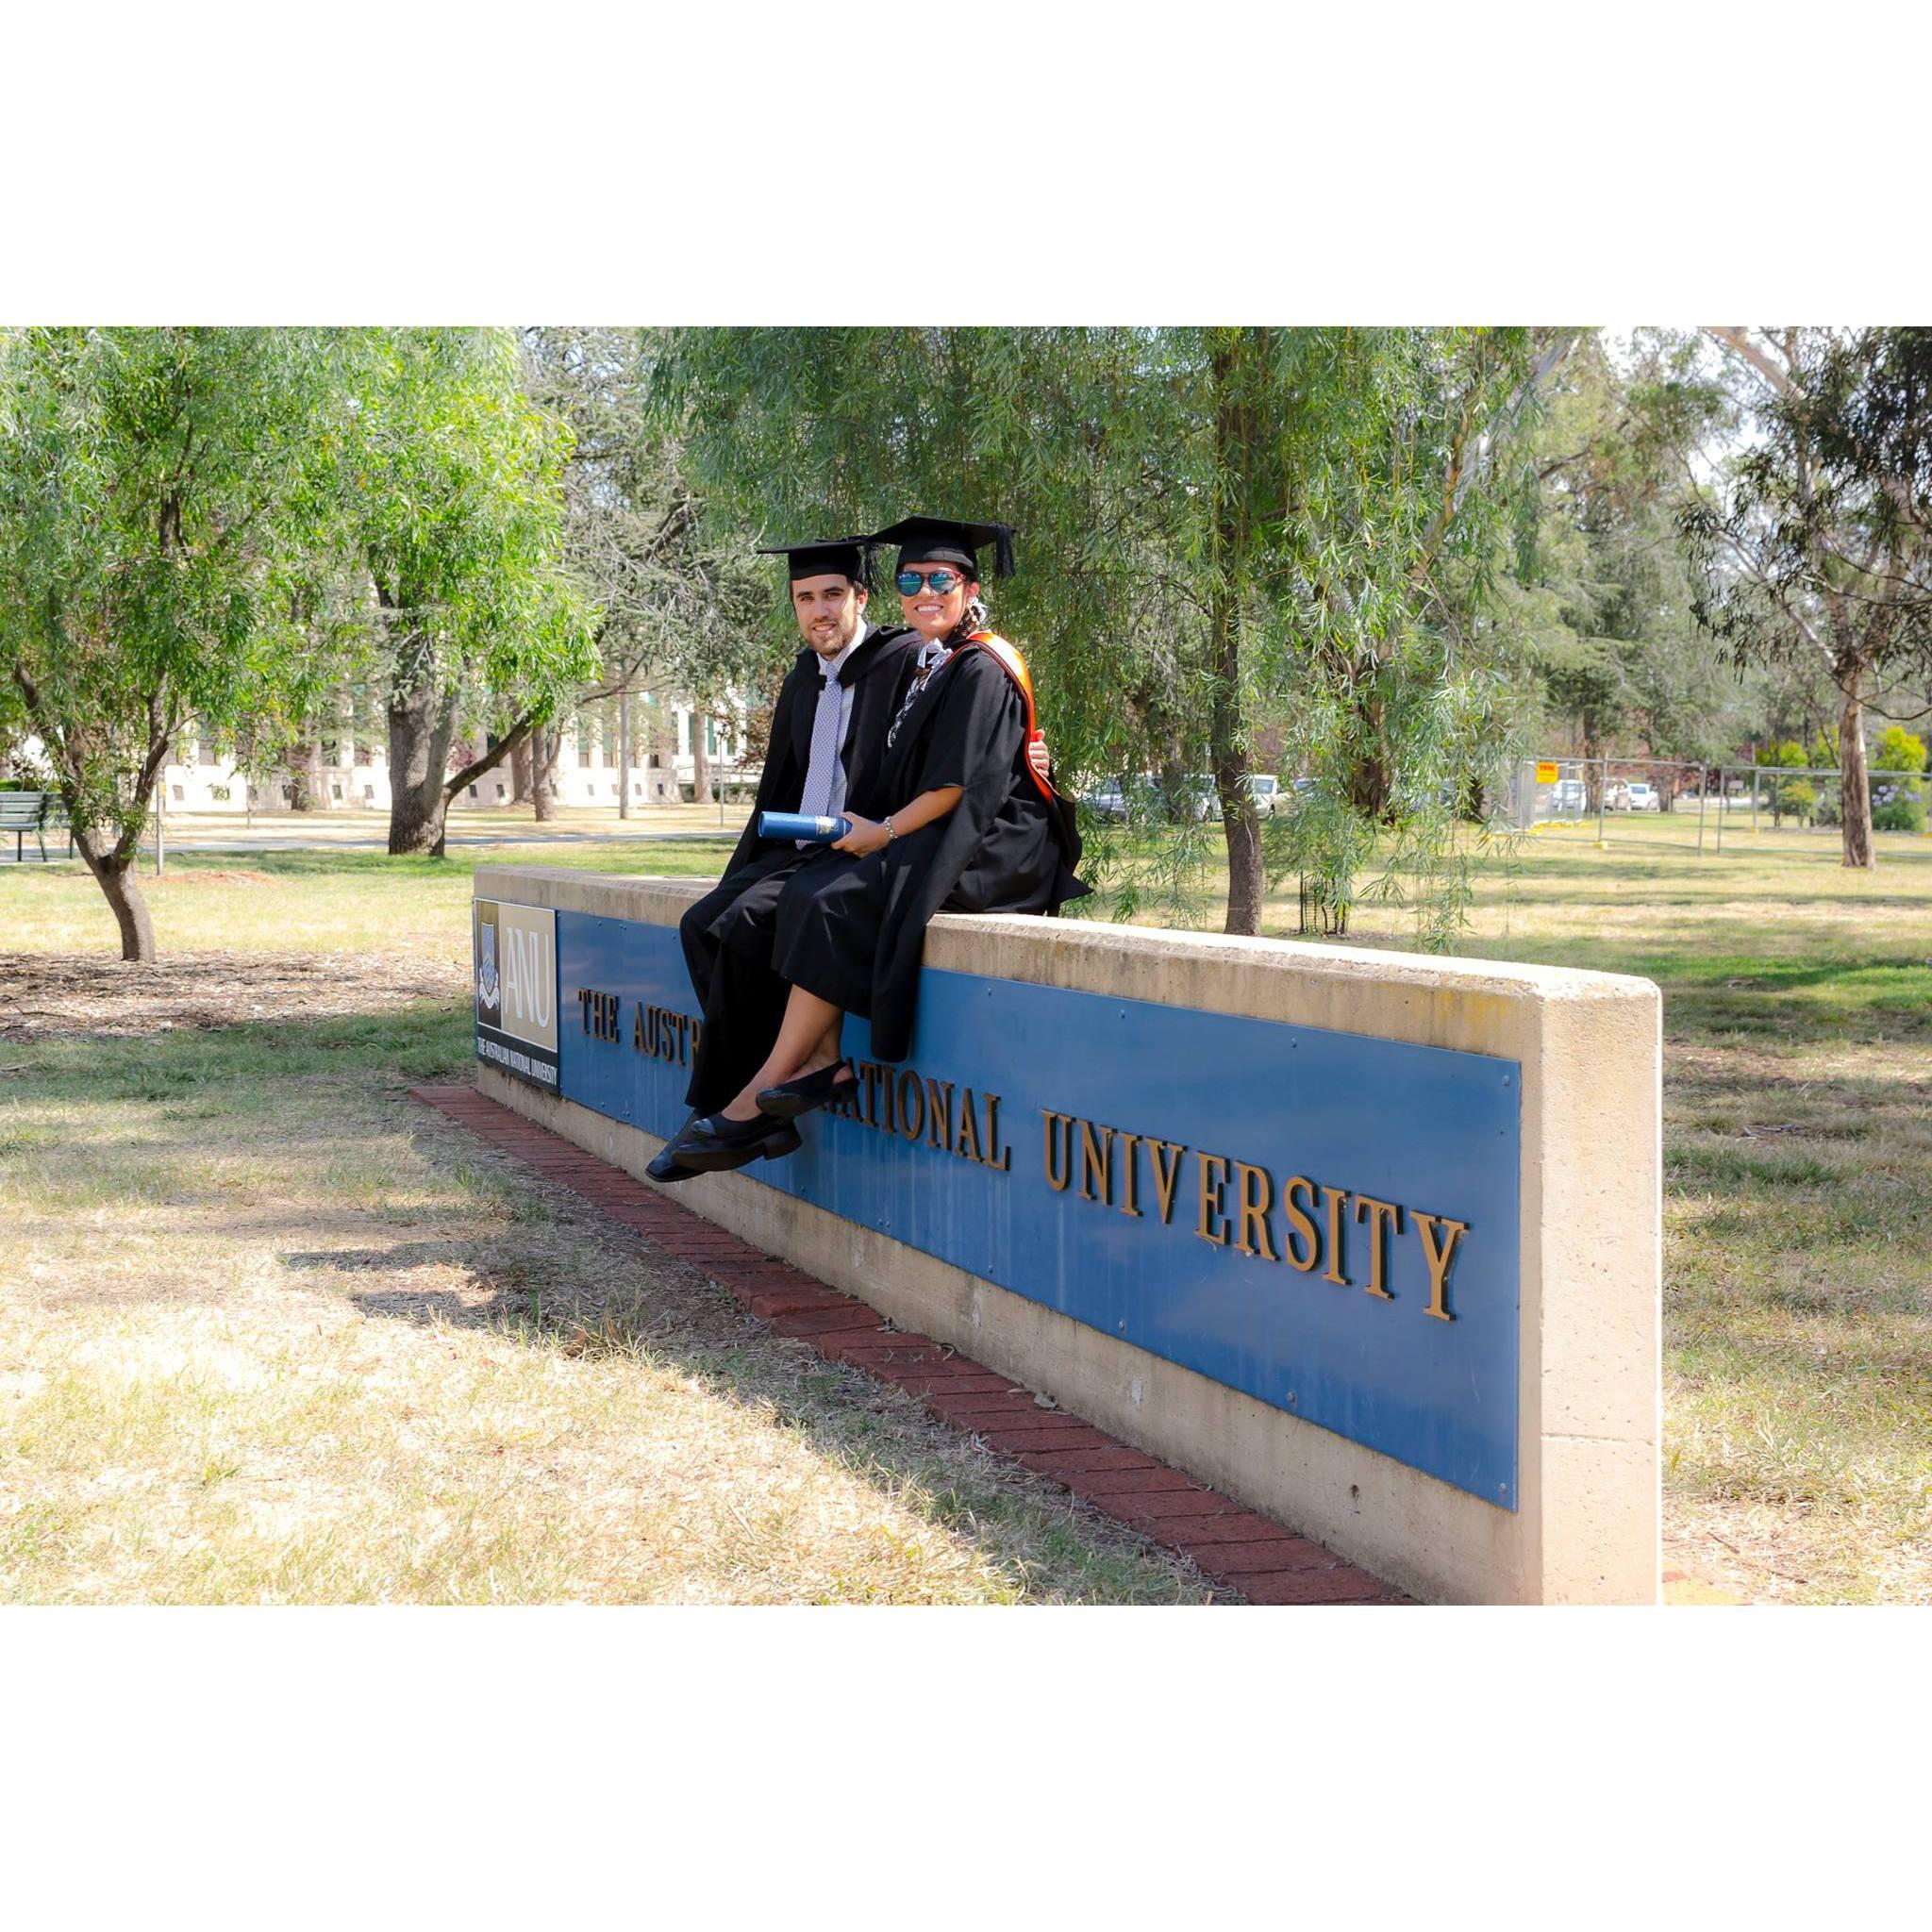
(278, 1092)
(683, 1320)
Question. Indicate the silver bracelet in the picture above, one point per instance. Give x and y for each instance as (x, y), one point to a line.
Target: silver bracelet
(891, 834)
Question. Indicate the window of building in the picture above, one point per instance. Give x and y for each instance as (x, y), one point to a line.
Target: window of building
(205, 753)
(652, 765)
(219, 793)
(711, 736)
(335, 791)
(584, 742)
(176, 793)
(361, 754)
(473, 792)
(369, 794)
(499, 789)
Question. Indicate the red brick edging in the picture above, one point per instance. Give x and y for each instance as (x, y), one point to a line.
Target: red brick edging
(1233, 1546)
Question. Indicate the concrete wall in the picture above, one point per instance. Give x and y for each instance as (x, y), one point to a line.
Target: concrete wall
(1587, 1522)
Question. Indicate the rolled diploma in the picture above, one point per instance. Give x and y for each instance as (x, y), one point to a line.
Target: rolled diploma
(798, 825)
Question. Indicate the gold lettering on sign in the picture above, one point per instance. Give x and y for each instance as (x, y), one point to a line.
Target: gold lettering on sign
(1303, 1243)
(995, 1156)
(1167, 1169)
(1440, 1255)
(1211, 1211)
(911, 1105)
(1381, 1213)
(1335, 1198)
(1096, 1157)
(939, 1114)
(1058, 1155)
(1129, 1200)
(966, 1145)
(1254, 1194)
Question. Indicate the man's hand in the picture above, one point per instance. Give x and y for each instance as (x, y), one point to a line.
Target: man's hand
(1040, 757)
(864, 836)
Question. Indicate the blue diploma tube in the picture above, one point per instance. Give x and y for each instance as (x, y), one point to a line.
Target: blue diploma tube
(798, 825)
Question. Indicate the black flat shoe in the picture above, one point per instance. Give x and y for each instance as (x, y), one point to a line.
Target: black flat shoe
(789, 1099)
(666, 1167)
(715, 1143)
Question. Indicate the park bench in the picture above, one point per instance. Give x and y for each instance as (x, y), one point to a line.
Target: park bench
(22, 812)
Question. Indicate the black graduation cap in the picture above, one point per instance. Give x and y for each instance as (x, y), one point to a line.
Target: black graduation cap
(844, 556)
(935, 539)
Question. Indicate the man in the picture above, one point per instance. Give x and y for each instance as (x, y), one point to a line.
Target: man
(827, 740)
(828, 733)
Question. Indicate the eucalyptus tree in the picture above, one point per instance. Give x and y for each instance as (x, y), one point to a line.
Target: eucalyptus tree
(1603, 584)
(165, 494)
(1821, 545)
(459, 520)
(1214, 524)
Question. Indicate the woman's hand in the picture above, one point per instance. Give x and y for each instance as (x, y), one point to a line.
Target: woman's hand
(865, 836)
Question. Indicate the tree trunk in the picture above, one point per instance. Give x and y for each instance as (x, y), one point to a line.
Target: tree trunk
(1854, 778)
(422, 724)
(623, 754)
(700, 760)
(520, 772)
(1226, 735)
(114, 872)
(549, 748)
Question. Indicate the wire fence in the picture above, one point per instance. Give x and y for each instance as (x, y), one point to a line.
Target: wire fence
(1668, 803)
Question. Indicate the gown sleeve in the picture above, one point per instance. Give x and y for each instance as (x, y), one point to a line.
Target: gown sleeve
(781, 783)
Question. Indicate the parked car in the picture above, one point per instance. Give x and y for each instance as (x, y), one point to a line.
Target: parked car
(1106, 801)
(1568, 796)
(1265, 788)
(1198, 800)
(1642, 796)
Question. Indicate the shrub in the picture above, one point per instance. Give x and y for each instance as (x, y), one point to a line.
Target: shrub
(1796, 799)
(1905, 814)
(1899, 750)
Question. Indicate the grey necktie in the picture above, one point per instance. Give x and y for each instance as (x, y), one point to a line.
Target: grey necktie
(822, 769)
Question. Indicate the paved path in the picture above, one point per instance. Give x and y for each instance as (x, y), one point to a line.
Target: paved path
(1239, 1550)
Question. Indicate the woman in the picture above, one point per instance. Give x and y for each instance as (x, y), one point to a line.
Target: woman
(964, 826)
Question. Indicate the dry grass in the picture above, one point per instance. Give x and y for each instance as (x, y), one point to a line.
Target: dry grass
(270, 1332)
(284, 1423)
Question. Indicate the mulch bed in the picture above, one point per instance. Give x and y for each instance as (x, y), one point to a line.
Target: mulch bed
(66, 995)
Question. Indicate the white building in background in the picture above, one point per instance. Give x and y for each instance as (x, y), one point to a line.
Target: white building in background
(352, 774)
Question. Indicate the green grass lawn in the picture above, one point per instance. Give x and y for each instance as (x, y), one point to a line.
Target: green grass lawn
(1798, 1245)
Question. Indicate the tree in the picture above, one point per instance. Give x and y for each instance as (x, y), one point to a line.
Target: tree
(1215, 526)
(1824, 542)
(164, 494)
(461, 525)
(680, 604)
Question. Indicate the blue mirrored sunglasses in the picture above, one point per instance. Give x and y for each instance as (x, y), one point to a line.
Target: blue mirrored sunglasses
(911, 582)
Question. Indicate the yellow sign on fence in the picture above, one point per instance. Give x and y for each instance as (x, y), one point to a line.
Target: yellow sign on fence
(1546, 772)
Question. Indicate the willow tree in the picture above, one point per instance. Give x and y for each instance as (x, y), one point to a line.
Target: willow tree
(1213, 525)
(460, 517)
(165, 494)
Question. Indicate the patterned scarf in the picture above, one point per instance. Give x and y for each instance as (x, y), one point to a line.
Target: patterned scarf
(932, 654)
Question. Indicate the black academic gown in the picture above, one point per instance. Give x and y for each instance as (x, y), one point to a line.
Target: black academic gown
(727, 935)
(852, 930)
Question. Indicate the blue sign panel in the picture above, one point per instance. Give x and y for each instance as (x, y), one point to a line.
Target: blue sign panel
(1326, 1221)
